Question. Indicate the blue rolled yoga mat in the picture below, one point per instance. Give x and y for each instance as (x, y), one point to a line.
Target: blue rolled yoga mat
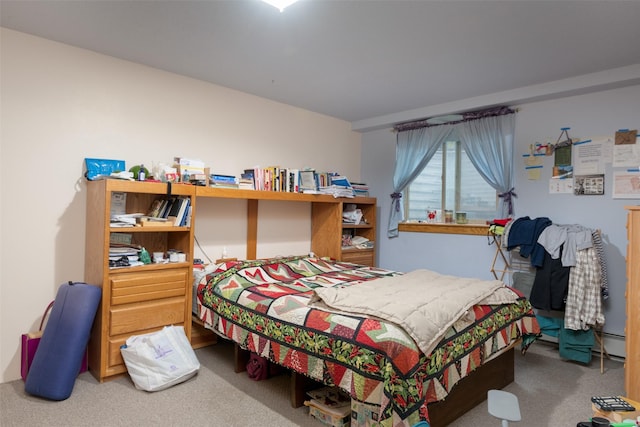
(57, 360)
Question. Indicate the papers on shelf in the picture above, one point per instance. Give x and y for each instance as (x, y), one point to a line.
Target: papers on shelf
(336, 191)
(125, 220)
(352, 216)
(124, 256)
(118, 251)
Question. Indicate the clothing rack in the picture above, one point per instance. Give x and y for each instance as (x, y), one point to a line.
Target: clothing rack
(603, 351)
(500, 264)
(507, 262)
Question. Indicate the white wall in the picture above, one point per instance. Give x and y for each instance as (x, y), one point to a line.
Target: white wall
(590, 115)
(61, 104)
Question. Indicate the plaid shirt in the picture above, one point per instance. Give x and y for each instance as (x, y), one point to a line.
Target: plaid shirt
(584, 304)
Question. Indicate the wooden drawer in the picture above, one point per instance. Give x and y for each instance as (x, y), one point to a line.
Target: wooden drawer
(147, 286)
(115, 357)
(360, 256)
(131, 318)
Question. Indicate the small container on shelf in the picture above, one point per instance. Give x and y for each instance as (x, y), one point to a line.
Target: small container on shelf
(448, 216)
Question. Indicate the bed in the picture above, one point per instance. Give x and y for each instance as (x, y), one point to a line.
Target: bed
(263, 306)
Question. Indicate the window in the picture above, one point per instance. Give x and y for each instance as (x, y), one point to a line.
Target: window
(450, 181)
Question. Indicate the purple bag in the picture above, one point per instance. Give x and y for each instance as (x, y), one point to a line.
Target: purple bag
(258, 367)
(30, 343)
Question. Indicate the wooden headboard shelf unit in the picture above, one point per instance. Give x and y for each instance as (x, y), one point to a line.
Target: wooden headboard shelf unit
(326, 219)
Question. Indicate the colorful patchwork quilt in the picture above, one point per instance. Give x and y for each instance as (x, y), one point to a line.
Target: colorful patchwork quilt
(262, 306)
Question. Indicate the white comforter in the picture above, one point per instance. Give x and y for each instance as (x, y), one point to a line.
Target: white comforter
(423, 302)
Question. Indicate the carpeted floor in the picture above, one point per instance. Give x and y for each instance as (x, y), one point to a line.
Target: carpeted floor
(551, 392)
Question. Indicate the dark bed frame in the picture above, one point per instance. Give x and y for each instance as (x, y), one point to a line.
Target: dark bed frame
(466, 395)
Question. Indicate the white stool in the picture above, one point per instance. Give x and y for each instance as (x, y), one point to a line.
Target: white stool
(503, 405)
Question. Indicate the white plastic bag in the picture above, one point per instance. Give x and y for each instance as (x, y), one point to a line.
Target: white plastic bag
(161, 359)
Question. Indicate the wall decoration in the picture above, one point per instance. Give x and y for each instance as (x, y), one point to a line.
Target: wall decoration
(626, 136)
(591, 155)
(562, 167)
(589, 185)
(533, 165)
(560, 186)
(626, 185)
(626, 150)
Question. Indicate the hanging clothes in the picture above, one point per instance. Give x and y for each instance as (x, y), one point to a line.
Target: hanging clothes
(570, 276)
(524, 233)
(599, 247)
(574, 245)
(576, 345)
(572, 238)
(584, 303)
(550, 285)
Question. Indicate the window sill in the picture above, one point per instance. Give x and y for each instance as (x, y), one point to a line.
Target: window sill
(442, 228)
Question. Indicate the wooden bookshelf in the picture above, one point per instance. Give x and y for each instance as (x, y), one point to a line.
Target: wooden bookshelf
(326, 220)
(137, 299)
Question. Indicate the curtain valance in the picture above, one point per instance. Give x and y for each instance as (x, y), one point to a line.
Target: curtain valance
(465, 117)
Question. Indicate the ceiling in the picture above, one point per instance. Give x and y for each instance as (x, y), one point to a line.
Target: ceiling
(363, 61)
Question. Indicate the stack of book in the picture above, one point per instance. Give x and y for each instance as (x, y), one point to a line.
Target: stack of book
(360, 189)
(125, 220)
(339, 186)
(246, 180)
(124, 256)
(191, 170)
(226, 181)
(336, 191)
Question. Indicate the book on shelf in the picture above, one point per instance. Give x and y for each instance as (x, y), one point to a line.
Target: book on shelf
(222, 179)
(247, 180)
(118, 203)
(155, 208)
(164, 208)
(340, 180)
(178, 210)
(223, 185)
(187, 218)
(256, 176)
(294, 180)
(172, 212)
(308, 180)
(246, 184)
(360, 189)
